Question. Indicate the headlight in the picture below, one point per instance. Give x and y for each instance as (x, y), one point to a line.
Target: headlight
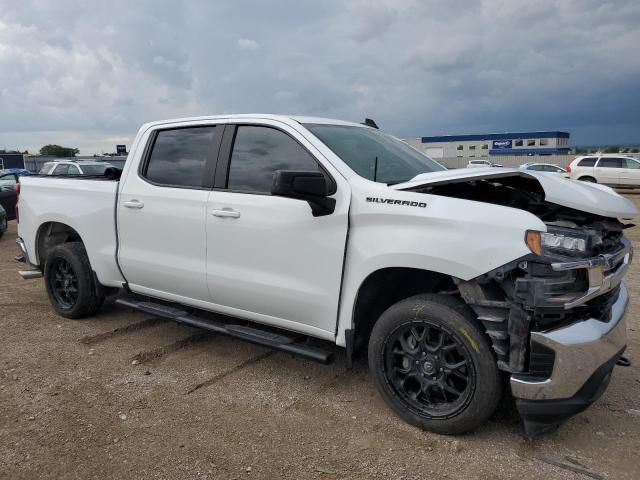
(559, 241)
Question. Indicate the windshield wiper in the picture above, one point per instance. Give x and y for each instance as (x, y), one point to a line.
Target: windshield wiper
(375, 170)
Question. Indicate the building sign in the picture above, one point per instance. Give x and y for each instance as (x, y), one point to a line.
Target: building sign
(500, 144)
(121, 149)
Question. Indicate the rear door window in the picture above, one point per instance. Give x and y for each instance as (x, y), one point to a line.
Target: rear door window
(179, 157)
(587, 162)
(632, 163)
(62, 169)
(612, 162)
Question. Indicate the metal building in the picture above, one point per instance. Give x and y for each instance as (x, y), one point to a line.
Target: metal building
(489, 144)
(11, 160)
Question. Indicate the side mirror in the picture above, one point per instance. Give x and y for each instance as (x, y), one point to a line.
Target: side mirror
(311, 186)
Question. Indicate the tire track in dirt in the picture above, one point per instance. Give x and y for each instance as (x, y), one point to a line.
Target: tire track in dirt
(151, 355)
(116, 332)
(237, 368)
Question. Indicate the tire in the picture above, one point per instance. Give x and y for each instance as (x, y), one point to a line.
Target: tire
(588, 179)
(421, 392)
(70, 282)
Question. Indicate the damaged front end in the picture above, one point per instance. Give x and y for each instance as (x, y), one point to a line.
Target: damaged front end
(555, 317)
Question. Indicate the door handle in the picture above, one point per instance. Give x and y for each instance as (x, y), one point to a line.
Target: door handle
(226, 213)
(133, 204)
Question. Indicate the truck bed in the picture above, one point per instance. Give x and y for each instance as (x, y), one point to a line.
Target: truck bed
(85, 204)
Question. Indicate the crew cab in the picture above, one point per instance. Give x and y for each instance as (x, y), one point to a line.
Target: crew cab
(296, 231)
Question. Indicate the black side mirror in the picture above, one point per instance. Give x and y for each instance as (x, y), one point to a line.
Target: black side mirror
(311, 186)
(112, 173)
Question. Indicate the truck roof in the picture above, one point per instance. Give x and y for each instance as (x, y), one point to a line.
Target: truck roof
(266, 116)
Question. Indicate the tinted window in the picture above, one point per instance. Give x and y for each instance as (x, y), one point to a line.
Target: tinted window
(95, 169)
(632, 163)
(612, 162)
(73, 170)
(62, 169)
(258, 152)
(587, 162)
(179, 156)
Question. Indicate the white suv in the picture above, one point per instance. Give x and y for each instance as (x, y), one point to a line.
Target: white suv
(71, 167)
(613, 170)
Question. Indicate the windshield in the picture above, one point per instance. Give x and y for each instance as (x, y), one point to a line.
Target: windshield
(95, 169)
(374, 155)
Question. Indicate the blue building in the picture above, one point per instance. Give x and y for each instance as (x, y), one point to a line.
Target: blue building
(489, 144)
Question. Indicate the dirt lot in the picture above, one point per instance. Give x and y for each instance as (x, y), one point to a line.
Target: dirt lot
(124, 395)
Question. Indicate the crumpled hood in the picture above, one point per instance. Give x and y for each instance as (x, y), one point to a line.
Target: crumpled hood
(584, 196)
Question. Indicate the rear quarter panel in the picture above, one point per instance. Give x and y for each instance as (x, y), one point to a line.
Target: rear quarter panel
(87, 206)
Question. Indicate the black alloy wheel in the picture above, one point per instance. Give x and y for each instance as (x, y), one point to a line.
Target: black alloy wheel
(72, 286)
(433, 364)
(63, 283)
(430, 368)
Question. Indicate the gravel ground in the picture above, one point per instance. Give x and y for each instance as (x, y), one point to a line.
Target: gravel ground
(124, 395)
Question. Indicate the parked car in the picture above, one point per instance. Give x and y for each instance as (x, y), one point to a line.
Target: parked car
(21, 172)
(8, 194)
(290, 227)
(613, 170)
(3, 221)
(481, 164)
(543, 167)
(72, 167)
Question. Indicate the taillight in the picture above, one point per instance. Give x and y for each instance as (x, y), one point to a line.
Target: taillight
(568, 167)
(16, 188)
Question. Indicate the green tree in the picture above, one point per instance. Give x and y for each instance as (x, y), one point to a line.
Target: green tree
(58, 151)
(612, 149)
(635, 150)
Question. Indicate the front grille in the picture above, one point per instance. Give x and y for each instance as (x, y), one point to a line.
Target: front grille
(600, 307)
(541, 361)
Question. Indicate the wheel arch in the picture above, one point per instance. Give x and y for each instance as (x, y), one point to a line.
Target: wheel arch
(385, 287)
(587, 178)
(49, 235)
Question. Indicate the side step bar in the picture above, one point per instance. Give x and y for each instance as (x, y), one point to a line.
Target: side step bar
(250, 334)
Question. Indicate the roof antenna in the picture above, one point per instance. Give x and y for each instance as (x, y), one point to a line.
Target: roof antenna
(370, 123)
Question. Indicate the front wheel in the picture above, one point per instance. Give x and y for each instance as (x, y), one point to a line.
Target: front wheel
(433, 365)
(70, 282)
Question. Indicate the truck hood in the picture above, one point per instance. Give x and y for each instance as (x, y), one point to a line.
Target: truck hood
(587, 197)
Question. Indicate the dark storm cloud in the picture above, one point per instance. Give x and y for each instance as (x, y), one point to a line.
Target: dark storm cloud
(89, 73)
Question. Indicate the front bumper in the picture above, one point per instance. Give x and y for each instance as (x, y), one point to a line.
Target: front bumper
(584, 356)
(580, 349)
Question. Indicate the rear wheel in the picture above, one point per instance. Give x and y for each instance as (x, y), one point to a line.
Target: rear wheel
(70, 282)
(433, 365)
(588, 179)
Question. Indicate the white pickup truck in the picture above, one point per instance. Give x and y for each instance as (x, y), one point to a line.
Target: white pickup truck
(278, 229)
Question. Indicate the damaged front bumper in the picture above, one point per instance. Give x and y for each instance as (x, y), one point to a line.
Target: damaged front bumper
(583, 355)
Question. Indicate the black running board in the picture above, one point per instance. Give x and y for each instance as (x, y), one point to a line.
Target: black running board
(244, 332)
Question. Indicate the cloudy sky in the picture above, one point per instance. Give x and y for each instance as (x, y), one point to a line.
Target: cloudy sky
(88, 73)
